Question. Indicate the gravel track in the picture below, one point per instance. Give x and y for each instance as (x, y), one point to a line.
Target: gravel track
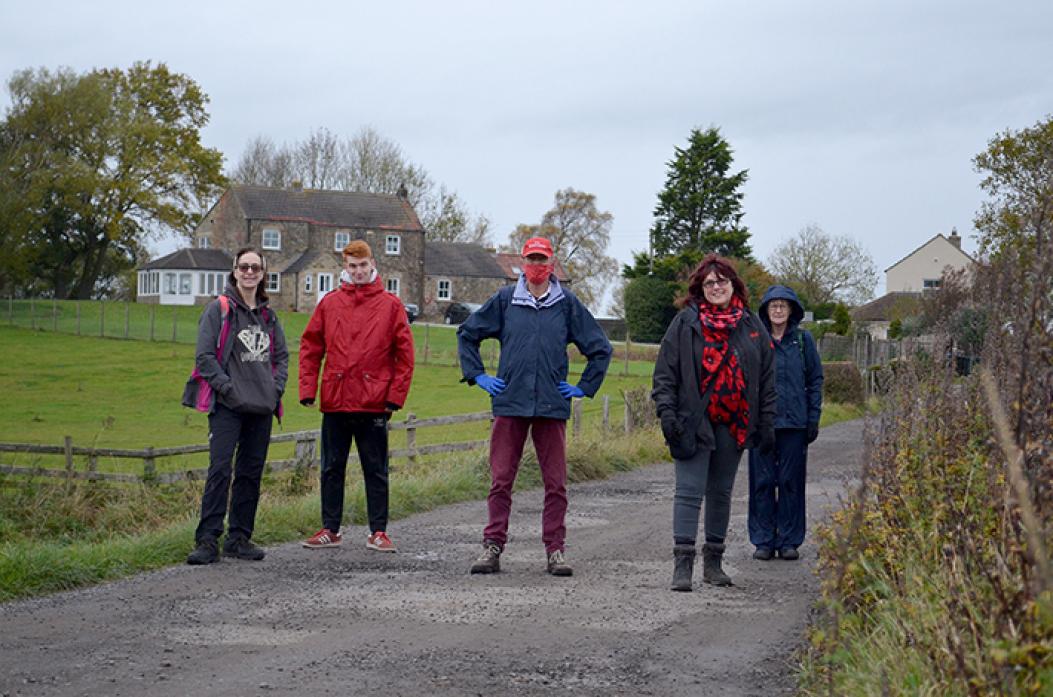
(349, 621)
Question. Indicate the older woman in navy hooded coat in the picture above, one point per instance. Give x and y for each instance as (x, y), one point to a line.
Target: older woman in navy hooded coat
(776, 508)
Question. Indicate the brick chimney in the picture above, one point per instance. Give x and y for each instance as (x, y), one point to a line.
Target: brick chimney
(954, 238)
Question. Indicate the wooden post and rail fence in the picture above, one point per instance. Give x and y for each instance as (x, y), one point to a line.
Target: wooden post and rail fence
(305, 454)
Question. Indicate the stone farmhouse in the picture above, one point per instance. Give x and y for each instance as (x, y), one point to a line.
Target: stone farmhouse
(302, 232)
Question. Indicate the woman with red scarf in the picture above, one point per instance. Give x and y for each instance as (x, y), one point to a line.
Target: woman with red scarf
(714, 387)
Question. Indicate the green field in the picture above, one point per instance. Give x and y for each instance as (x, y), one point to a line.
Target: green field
(111, 393)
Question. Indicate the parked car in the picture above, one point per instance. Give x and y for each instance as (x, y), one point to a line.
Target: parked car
(412, 311)
(458, 312)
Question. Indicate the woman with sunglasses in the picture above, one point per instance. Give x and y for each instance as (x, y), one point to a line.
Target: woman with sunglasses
(241, 352)
(714, 388)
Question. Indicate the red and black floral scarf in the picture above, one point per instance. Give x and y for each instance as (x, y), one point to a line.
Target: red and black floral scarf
(727, 403)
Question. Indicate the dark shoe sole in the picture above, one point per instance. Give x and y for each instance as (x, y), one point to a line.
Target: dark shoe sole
(246, 557)
(560, 572)
(681, 589)
(201, 562)
(789, 554)
(718, 583)
(487, 570)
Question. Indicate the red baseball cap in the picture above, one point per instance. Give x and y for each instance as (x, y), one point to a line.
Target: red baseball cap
(537, 245)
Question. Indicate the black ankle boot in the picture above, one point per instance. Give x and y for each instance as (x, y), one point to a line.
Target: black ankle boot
(683, 566)
(712, 554)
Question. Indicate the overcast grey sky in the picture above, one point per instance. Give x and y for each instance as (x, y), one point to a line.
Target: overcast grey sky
(862, 117)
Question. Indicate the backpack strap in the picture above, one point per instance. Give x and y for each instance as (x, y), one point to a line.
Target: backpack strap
(224, 331)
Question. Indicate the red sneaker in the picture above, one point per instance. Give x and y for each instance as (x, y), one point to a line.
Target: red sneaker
(380, 542)
(323, 538)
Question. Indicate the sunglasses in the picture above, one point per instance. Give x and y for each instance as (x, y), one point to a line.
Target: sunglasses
(245, 268)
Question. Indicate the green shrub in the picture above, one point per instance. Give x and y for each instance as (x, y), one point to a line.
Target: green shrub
(648, 308)
(842, 383)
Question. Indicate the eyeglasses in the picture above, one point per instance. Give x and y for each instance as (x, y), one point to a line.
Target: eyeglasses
(778, 305)
(245, 268)
(720, 282)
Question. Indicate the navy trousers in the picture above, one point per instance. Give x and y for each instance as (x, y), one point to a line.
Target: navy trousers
(776, 510)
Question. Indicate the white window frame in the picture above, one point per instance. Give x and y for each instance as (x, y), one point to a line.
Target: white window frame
(203, 242)
(393, 245)
(325, 281)
(171, 283)
(272, 245)
(274, 282)
(931, 283)
(340, 240)
(308, 284)
(393, 285)
(186, 283)
(439, 295)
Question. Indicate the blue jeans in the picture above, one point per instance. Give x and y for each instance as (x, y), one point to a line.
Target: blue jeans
(708, 474)
(776, 510)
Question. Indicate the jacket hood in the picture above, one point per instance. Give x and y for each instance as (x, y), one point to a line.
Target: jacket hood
(373, 287)
(781, 293)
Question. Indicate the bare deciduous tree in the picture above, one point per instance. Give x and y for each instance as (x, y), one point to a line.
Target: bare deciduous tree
(367, 162)
(825, 268)
(580, 234)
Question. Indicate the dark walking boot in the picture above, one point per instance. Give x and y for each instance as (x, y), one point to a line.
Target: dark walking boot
(206, 552)
(712, 554)
(683, 566)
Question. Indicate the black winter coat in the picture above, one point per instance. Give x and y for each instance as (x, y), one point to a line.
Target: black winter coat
(677, 380)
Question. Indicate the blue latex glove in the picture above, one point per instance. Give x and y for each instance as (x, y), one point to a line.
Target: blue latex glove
(494, 386)
(568, 390)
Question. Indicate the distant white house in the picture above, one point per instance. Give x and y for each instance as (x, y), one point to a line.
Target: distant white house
(186, 277)
(922, 269)
(906, 281)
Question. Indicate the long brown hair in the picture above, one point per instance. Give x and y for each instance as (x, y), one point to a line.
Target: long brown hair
(261, 292)
(724, 268)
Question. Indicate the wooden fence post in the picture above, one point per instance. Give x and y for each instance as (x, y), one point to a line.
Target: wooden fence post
(575, 411)
(67, 445)
(411, 437)
(606, 412)
(304, 453)
(628, 418)
(149, 466)
(426, 346)
(493, 353)
(628, 346)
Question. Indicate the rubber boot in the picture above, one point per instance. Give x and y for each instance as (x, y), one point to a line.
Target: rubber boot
(683, 565)
(711, 571)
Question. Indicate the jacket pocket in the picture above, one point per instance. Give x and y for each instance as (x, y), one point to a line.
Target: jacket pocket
(375, 390)
(331, 386)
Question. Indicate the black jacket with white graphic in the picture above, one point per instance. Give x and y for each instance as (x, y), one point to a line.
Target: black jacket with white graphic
(250, 375)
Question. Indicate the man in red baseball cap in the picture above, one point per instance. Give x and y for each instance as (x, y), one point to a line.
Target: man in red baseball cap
(534, 319)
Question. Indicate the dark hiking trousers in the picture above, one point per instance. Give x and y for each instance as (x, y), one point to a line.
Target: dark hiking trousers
(709, 475)
(250, 436)
(370, 433)
(776, 510)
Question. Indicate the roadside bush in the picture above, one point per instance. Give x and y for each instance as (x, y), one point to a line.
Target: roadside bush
(842, 383)
(648, 308)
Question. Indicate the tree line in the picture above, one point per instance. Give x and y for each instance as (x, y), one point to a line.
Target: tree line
(93, 165)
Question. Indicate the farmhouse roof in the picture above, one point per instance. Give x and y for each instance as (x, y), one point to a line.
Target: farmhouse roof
(334, 208)
(460, 259)
(880, 310)
(205, 259)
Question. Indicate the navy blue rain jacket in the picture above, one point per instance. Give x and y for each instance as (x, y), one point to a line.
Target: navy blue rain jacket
(798, 367)
(534, 352)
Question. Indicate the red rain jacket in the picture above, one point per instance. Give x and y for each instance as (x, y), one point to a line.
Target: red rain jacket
(364, 335)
